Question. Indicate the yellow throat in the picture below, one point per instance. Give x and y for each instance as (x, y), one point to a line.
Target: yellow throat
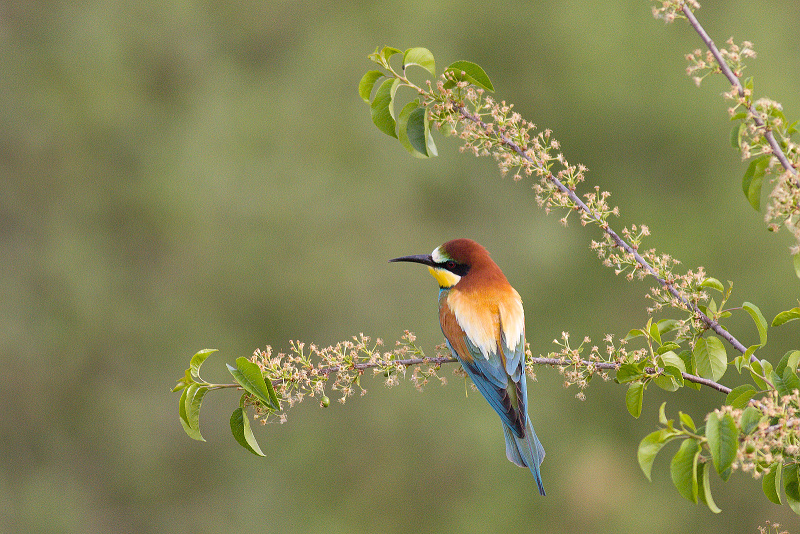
(445, 278)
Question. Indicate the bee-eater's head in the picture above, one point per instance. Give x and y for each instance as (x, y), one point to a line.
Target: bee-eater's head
(450, 262)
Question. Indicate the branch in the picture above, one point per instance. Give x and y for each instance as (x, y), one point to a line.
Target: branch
(734, 80)
(621, 243)
(551, 362)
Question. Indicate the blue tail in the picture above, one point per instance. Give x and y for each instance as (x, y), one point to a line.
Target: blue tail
(525, 452)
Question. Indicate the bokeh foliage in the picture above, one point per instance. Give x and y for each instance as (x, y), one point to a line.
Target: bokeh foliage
(187, 174)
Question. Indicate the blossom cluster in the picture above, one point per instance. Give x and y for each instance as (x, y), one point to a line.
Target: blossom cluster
(776, 437)
(669, 10)
(763, 136)
(771, 528)
(306, 371)
(702, 64)
(574, 368)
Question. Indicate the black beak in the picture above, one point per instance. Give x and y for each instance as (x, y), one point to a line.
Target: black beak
(424, 259)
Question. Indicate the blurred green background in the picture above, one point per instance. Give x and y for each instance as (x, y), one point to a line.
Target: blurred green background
(177, 175)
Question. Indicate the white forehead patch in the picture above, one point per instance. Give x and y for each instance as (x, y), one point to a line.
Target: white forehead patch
(437, 256)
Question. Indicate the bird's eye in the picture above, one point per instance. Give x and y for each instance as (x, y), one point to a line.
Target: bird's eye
(450, 265)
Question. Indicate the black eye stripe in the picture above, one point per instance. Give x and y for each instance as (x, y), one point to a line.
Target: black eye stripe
(456, 268)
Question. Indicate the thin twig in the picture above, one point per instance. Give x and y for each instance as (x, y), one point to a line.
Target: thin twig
(726, 70)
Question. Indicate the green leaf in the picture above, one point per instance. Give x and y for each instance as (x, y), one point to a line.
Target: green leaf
(777, 113)
(713, 283)
(758, 369)
(786, 316)
(683, 469)
(416, 131)
(652, 329)
(789, 360)
(395, 86)
(429, 144)
(367, 83)
(723, 441)
(704, 483)
(771, 483)
(388, 52)
(194, 399)
(634, 334)
(628, 372)
(792, 361)
(710, 357)
(382, 107)
(687, 421)
(691, 367)
(752, 179)
(375, 56)
(758, 318)
(191, 432)
(786, 383)
(740, 396)
(667, 325)
(791, 486)
(669, 346)
(184, 381)
(198, 359)
(249, 376)
(182, 408)
(744, 359)
(649, 448)
(670, 358)
(736, 134)
(191, 425)
(472, 73)
(421, 57)
(670, 380)
(662, 414)
(634, 397)
(182, 405)
(240, 428)
(403, 131)
(751, 416)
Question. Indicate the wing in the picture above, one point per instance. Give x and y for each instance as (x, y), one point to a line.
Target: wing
(515, 366)
(499, 376)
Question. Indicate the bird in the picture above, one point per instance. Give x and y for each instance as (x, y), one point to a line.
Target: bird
(483, 323)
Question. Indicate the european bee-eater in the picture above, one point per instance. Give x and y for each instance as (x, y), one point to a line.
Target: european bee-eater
(483, 322)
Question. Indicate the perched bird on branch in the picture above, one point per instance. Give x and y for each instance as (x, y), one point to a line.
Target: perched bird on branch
(483, 321)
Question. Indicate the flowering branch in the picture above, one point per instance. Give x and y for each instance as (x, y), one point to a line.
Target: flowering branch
(762, 133)
(733, 78)
(600, 221)
(758, 427)
(456, 103)
(306, 371)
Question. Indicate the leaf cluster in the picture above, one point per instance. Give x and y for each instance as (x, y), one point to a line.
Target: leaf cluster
(412, 126)
(756, 430)
(257, 391)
